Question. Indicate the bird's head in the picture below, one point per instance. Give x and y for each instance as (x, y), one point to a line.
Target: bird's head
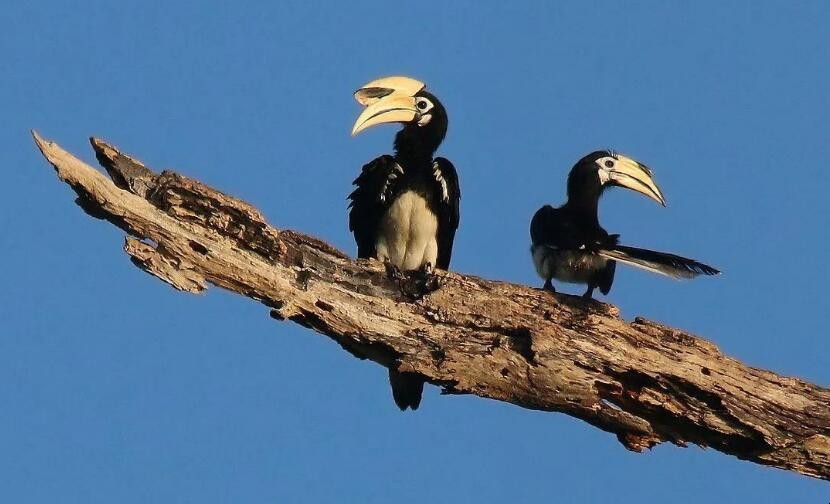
(402, 100)
(599, 170)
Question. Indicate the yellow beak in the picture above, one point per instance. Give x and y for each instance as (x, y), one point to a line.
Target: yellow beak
(392, 108)
(635, 176)
(387, 100)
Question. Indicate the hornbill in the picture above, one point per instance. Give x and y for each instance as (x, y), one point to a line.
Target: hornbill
(569, 244)
(404, 210)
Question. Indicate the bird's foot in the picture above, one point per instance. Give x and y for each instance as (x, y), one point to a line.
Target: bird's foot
(393, 272)
(589, 294)
(426, 268)
(549, 286)
(414, 284)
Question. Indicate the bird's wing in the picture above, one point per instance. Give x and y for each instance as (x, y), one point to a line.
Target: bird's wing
(375, 189)
(449, 215)
(554, 228)
(558, 229)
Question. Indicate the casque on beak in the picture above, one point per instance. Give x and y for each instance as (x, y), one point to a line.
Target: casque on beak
(629, 173)
(390, 99)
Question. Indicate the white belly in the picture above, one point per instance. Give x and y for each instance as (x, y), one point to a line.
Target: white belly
(407, 233)
(566, 266)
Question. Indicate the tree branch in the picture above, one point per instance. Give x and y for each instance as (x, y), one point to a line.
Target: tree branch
(645, 382)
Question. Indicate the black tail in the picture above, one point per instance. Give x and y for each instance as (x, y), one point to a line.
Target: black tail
(671, 265)
(407, 389)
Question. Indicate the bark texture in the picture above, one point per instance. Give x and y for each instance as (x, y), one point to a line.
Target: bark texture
(642, 381)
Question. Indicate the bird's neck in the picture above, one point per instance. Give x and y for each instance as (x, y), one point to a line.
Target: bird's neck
(415, 145)
(585, 207)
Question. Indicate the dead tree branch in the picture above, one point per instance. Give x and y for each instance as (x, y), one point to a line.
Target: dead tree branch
(645, 382)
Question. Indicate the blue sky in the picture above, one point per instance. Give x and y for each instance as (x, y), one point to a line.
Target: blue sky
(115, 388)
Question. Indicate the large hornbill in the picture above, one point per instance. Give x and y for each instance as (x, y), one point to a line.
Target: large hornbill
(571, 246)
(404, 210)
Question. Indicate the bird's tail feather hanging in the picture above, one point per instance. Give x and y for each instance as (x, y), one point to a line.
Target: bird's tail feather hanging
(407, 389)
(670, 265)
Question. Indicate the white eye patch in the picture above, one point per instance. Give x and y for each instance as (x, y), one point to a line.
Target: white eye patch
(605, 164)
(424, 106)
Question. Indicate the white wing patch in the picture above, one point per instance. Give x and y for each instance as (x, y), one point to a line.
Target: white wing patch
(436, 173)
(389, 180)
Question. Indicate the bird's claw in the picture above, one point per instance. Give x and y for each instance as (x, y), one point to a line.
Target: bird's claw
(427, 268)
(589, 294)
(414, 284)
(393, 272)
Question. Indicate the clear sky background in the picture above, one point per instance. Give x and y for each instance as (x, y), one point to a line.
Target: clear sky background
(115, 388)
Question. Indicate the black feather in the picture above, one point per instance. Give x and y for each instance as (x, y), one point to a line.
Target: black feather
(376, 187)
(449, 214)
(407, 389)
(661, 262)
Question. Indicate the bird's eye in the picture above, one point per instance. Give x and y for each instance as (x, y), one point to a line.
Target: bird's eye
(422, 104)
(609, 163)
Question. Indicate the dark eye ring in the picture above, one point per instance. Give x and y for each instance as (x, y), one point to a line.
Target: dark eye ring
(609, 164)
(422, 105)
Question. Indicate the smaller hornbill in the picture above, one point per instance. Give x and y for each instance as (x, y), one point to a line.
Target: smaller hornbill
(405, 208)
(568, 243)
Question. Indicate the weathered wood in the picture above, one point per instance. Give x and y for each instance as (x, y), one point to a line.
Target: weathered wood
(645, 382)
